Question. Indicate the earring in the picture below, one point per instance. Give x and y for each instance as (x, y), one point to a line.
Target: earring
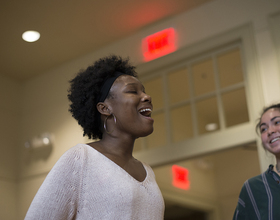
(105, 122)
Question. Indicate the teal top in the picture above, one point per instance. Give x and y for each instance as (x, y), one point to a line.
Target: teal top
(260, 198)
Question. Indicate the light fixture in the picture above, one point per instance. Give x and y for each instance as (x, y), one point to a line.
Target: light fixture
(31, 36)
(41, 141)
(211, 127)
(203, 164)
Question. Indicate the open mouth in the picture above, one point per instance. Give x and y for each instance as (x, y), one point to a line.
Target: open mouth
(146, 112)
(275, 139)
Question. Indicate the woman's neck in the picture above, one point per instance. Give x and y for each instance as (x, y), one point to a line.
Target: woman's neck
(118, 147)
(277, 166)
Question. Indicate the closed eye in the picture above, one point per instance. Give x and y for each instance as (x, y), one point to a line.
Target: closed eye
(134, 92)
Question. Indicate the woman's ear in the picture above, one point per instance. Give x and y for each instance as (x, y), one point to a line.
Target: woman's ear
(103, 108)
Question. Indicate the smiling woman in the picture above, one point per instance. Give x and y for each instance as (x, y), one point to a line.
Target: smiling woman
(102, 180)
(259, 197)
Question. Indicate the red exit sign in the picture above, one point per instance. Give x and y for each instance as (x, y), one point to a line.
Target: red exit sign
(159, 44)
(180, 177)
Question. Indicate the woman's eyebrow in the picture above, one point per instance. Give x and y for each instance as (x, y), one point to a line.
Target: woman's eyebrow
(135, 84)
(270, 120)
(274, 118)
(131, 84)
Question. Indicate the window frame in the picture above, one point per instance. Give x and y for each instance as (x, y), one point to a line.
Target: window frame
(225, 138)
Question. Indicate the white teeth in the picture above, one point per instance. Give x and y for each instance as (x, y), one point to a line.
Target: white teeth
(146, 110)
(275, 139)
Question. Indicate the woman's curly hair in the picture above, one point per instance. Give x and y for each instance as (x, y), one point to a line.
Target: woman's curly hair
(85, 89)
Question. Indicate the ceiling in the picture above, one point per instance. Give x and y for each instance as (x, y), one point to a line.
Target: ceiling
(70, 29)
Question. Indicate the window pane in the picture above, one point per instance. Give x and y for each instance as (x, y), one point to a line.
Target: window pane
(178, 86)
(230, 68)
(154, 89)
(158, 137)
(207, 114)
(181, 122)
(203, 77)
(235, 107)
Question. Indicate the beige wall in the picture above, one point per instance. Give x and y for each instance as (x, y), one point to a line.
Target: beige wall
(215, 180)
(232, 168)
(42, 105)
(45, 109)
(9, 132)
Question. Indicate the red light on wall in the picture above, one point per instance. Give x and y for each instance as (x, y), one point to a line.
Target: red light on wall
(180, 177)
(159, 44)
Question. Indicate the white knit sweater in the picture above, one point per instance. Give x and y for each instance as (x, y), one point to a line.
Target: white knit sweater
(84, 185)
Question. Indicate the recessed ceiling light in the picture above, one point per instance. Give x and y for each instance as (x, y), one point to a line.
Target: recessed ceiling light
(31, 36)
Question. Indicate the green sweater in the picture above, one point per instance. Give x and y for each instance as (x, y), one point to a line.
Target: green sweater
(260, 198)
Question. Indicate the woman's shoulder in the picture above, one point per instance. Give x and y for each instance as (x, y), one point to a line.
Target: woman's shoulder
(259, 178)
(78, 148)
(258, 182)
(255, 179)
(75, 153)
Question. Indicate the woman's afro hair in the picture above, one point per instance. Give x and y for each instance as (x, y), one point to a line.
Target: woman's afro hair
(85, 89)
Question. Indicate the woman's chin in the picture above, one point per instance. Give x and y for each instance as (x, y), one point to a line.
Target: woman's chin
(147, 133)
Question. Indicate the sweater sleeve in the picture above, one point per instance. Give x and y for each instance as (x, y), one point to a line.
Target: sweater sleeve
(241, 211)
(57, 197)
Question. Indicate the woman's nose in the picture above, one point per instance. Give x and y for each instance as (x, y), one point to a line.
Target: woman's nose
(271, 130)
(146, 98)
